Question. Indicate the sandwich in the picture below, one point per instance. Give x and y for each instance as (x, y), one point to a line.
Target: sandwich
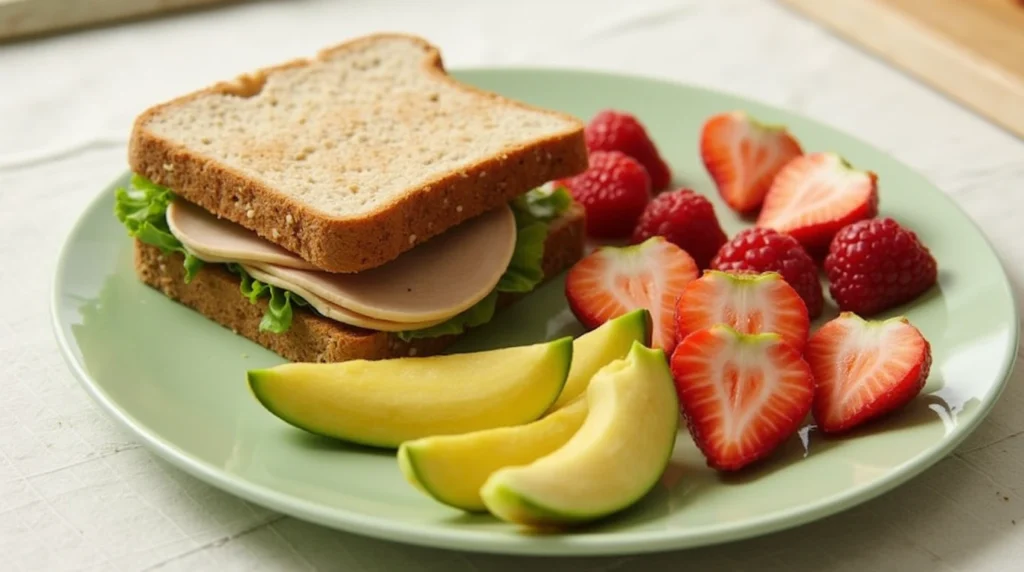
(361, 204)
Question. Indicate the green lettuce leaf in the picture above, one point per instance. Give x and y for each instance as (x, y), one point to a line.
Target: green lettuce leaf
(533, 211)
(142, 209)
(524, 270)
(543, 205)
(250, 287)
(278, 317)
(477, 315)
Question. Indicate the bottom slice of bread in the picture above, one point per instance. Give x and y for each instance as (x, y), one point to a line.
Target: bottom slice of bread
(214, 292)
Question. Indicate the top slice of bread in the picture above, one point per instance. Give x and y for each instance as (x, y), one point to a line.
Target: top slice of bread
(355, 156)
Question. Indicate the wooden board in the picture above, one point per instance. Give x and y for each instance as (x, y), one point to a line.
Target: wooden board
(22, 18)
(972, 50)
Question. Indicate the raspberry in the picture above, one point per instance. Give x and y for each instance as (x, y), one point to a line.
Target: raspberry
(876, 264)
(685, 219)
(617, 131)
(759, 250)
(613, 190)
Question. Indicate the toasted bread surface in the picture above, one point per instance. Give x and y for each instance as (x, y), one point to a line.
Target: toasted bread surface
(214, 292)
(350, 158)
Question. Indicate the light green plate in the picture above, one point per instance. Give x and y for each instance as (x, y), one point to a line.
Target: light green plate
(177, 380)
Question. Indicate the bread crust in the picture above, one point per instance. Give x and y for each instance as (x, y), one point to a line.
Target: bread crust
(338, 244)
(214, 293)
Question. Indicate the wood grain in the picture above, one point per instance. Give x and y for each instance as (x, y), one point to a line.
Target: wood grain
(972, 50)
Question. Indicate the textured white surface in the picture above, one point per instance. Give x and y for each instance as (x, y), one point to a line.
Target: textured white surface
(78, 493)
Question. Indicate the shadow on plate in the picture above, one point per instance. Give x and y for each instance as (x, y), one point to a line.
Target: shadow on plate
(319, 443)
(922, 410)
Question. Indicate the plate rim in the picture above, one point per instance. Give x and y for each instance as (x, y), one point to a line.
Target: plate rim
(590, 544)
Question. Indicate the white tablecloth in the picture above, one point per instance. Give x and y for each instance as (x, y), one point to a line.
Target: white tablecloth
(77, 492)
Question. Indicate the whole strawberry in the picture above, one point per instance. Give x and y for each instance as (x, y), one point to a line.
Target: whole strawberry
(612, 130)
(613, 190)
(685, 219)
(876, 264)
(757, 250)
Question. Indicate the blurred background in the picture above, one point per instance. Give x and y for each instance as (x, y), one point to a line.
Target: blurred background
(120, 55)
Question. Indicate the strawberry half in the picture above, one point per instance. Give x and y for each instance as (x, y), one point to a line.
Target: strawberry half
(742, 395)
(865, 369)
(743, 157)
(750, 303)
(816, 195)
(612, 281)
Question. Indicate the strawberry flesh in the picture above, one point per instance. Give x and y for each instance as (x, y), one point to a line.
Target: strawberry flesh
(743, 156)
(815, 196)
(750, 303)
(865, 370)
(766, 250)
(613, 281)
(742, 395)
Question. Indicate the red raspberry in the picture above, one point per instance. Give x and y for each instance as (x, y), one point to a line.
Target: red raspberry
(876, 264)
(766, 250)
(613, 190)
(685, 219)
(617, 131)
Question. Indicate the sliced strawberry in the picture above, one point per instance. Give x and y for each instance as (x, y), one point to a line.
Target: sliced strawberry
(743, 157)
(751, 303)
(742, 395)
(865, 369)
(816, 195)
(613, 281)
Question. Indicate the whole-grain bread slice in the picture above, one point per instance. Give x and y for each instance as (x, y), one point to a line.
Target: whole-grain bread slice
(214, 292)
(350, 158)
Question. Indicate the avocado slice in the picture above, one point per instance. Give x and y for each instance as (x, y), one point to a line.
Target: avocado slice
(613, 461)
(452, 468)
(383, 403)
(600, 346)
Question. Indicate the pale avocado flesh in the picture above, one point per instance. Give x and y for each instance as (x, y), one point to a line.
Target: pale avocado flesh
(451, 469)
(615, 458)
(384, 403)
(593, 350)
